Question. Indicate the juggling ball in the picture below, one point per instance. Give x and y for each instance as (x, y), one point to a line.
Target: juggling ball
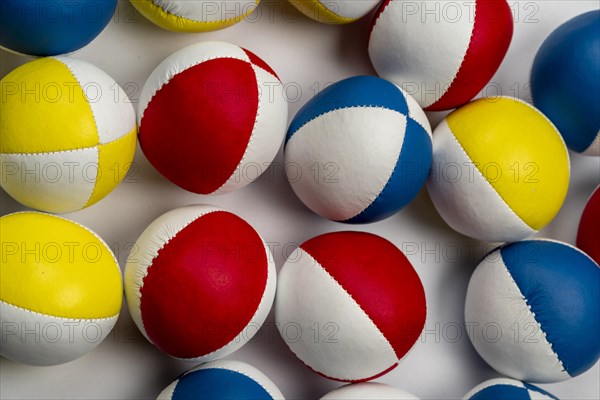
(60, 289)
(201, 283)
(565, 83)
(359, 151)
(210, 116)
(500, 170)
(68, 134)
(441, 52)
(349, 305)
(50, 28)
(532, 311)
(222, 380)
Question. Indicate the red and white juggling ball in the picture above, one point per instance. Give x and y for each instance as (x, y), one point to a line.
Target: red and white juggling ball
(588, 236)
(212, 117)
(200, 284)
(441, 52)
(349, 305)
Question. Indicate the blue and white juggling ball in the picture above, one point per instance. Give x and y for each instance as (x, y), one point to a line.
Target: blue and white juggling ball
(565, 82)
(222, 380)
(48, 28)
(507, 389)
(358, 151)
(532, 311)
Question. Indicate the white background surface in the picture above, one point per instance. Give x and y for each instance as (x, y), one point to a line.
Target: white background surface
(306, 55)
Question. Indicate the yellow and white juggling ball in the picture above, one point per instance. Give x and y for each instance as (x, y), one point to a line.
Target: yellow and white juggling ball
(335, 11)
(68, 134)
(60, 289)
(500, 170)
(194, 15)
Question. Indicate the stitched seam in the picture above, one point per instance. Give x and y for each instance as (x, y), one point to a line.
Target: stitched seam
(492, 382)
(268, 72)
(172, 386)
(325, 9)
(359, 380)
(550, 122)
(84, 95)
(260, 303)
(95, 124)
(390, 176)
(462, 62)
(237, 18)
(93, 117)
(57, 317)
(138, 289)
(539, 325)
(121, 136)
(320, 12)
(337, 109)
(96, 186)
(397, 159)
(97, 237)
(252, 134)
(41, 153)
(488, 183)
(381, 10)
(170, 76)
(336, 283)
(78, 224)
(409, 116)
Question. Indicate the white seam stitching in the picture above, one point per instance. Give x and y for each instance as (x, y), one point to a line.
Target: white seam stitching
(379, 14)
(461, 62)
(421, 125)
(411, 114)
(338, 109)
(78, 224)
(239, 17)
(252, 133)
(336, 283)
(57, 317)
(488, 183)
(390, 176)
(138, 289)
(95, 124)
(551, 124)
(539, 325)
(170, 76)
(47, 153)
(99, 174)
